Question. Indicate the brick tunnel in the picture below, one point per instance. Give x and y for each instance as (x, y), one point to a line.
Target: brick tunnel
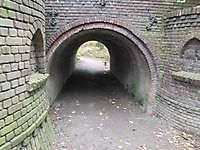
(130, 60)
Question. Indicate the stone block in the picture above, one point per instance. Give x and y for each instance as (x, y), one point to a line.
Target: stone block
(14, 41)
(11, 14)
(6, 50)
(7, 94)
(6, 146)
(14, 49)
(6, 68)
(9, 119)
(20, 89)
(2, 77)
(10, 5)
(18, 139)
(12, 32)
(2, 140)
(25, 126)
(17, 115)
(23, 111)
(26, 18)
(7, 103)
(19, 16)
(18, 57)
(8, 129)
(21, 33)
(21, 65)
(6, 22)
(3, 113)
(3, 31)
(6, 58)
(18, 131)
(2, 41)
(3, 12)
(14, 83)
(25, 57)
(14, 108)
(13, 75)
(10, 136)
(25, 9)
(2, 123)
(21, 81)
(5, 86)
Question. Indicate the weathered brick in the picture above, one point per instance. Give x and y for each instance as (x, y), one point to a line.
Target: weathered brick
(15, 100)
(8, 129)
(2, 77)
(13, 75)
(14, 66)
(2, 140)
(14, 108)
(6, 50)
(25, 57)
(18, 131)
(17, 115)
(2, 41)
(6, 68)
(20, 89)
(3, 12)
(10, 4)
(6, 22)
(3, 31)
(14, 49)
(19, 16)
(25, 9)
(3, 113)
(21, 65)
(12, 32)
(7, 94)
(9, 119)
(6, 58)
(11, 14)
(6, 146)
(14, 41)
(14, 83)
(2, 123)
(7, 103)
(21, 81)
(9, 136)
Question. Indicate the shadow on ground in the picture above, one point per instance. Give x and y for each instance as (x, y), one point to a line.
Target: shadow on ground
(94, 112)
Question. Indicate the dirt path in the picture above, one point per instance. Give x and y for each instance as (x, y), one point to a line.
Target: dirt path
(95, 113)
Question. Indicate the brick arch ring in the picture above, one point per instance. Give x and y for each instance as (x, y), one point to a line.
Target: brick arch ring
(123, 28)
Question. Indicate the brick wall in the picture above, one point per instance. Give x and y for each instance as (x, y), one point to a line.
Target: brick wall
(23, 99)
(179, 100)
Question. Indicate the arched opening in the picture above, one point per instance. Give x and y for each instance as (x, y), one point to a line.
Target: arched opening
(127, 62)
(37, 52)
(93, 51)
(190, 56)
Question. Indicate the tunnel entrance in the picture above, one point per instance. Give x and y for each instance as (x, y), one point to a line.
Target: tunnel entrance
(128, 63)
(92, 107)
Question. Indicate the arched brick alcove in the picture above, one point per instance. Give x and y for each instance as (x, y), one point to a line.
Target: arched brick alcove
(132, 61)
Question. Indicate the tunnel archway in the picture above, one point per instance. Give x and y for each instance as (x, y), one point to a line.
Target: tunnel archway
(132, 63)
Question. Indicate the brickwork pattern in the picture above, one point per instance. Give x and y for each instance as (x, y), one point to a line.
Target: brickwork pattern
(180, 100)
(176, 101)
(20, 109)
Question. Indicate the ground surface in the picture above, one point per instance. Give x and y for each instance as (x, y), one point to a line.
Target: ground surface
(93, 112)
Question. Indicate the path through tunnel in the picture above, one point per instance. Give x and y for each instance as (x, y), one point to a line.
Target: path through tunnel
(91, 108)
(128, 63)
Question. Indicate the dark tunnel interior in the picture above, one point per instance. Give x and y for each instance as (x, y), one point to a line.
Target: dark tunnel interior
(127, 63)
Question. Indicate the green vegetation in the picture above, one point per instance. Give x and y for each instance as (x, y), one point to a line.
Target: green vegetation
(181, 1)
(94, 49)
